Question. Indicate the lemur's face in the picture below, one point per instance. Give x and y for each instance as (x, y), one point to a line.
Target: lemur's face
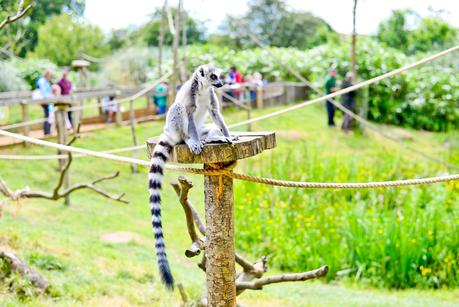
(212, 75)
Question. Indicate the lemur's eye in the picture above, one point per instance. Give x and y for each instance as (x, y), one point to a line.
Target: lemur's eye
(213, 77)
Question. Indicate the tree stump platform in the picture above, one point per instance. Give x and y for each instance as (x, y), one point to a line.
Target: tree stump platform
(249, 144)
(219, 207)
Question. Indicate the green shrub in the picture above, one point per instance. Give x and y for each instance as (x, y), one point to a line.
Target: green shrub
(395, 238)
(10, 78)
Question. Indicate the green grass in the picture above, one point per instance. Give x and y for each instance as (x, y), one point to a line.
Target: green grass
(64, 244)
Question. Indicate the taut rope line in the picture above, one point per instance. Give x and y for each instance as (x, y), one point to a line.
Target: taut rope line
(228, 171)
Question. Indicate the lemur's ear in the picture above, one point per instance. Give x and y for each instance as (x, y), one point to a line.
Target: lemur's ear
(201, 71)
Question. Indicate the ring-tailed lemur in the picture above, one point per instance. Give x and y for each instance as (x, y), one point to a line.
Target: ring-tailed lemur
(185, 123)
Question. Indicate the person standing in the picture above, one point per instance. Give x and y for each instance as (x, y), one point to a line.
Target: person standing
(66, 89)
(160, 98)
(330, 87)
(237, 80)
(348, 101)
(45, 91)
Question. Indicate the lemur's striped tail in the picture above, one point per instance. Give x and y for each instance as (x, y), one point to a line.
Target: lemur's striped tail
(155, 177)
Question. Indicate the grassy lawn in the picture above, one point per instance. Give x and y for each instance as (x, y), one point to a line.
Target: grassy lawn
(64, 244)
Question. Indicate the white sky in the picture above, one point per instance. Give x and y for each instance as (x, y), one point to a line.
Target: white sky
(114, 14)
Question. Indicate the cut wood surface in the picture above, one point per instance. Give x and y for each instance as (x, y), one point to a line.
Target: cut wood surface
(248, 145)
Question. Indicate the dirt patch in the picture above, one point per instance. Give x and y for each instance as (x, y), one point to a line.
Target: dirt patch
(120, 237)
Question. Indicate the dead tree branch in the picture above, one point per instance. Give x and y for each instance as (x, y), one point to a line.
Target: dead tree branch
(21, 12)
(17, 265)
(251, 276)
(259, 283)
(56, 194)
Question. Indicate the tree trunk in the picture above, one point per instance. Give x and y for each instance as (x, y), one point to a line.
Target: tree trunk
(220, 255)
(354, 39)
(184, 42)
(175, 44)
(161, 39)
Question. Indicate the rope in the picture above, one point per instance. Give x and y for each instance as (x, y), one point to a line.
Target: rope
(351, 88)
(140, 93)
(229, 170)
(54, 157)
(357, 117)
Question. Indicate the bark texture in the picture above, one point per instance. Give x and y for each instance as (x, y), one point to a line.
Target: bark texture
(220, 258)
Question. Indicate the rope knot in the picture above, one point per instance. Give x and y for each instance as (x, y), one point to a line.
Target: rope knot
(218, 170)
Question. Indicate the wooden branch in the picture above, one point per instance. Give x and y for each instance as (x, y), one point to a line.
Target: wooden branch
(182, 292)
(20, 13)
(26, 193)
(259, 283)
(182, 191)
(19, 266)
(90, 186)
(192, 217)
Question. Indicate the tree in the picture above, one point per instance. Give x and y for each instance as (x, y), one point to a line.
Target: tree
(150, 32)
(432, 34)
(22, 36)
(62, 38)
(274, 25)
(354, 37)
(394, 31)
(427, 34)
(23, 8)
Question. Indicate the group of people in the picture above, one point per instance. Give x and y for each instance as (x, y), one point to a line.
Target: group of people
(348, 99)
(47, 89)
(235, 80)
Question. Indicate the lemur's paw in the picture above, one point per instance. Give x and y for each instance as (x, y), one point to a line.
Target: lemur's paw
(234, 138)
(195, 146)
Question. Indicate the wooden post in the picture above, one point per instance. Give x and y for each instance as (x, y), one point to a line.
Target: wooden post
(76, 115)
(118, 114)
(99, 104)
(219, 204)
(134, 137)
(175, 44)
(148, 101)
(61, 128)
(25, 118)
(220, 258)
(259, 97)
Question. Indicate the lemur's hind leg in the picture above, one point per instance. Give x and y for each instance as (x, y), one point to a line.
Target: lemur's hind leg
(212, 134)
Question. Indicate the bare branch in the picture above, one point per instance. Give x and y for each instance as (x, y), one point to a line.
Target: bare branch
(19, 266)
(259, 283)
(192, 217)
(80, 186)
(182, 292)
(64, 172)
(19, 14)
(182, 191)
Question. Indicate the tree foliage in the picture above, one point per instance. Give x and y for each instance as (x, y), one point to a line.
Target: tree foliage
(275, 25)
(148, 34)
(407, 31)
(22, 36)
(62, 38)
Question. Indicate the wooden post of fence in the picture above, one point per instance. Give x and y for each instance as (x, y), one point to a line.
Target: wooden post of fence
(219, 205)
(133, 134)
(248, 104)
(99, 107)
(118, 114)
(76, 114)
(259, 97)
(61, 128)
(148, 101)
(25, 118)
